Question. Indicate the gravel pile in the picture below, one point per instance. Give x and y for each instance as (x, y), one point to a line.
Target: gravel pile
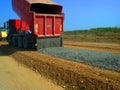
(99, 59)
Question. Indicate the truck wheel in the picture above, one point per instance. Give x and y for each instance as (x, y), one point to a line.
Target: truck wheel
(14, 41)
(20, 42)
(9, 38)
(26, 42)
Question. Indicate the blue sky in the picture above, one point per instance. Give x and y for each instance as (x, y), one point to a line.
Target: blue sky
(79, 14)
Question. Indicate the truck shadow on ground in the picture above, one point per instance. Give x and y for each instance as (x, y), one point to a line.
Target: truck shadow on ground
(7, 50)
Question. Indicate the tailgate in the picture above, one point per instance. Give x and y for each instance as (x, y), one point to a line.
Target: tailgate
(48, 25)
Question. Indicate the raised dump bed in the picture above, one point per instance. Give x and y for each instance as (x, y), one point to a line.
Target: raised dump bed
(44, 17)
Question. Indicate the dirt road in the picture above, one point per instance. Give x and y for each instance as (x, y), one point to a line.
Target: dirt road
(67, 74)
(14, 76)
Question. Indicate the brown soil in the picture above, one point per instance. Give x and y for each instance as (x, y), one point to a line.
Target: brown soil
(103, 47)
(70, 75)
(14, 76)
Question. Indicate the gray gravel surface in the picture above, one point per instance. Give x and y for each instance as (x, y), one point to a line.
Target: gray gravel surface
(99, 59)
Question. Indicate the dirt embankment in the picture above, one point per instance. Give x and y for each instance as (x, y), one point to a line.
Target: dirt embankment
(69, 75)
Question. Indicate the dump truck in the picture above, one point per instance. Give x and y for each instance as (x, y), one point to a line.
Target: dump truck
(41, 23)
(3, 34)
(16, 30)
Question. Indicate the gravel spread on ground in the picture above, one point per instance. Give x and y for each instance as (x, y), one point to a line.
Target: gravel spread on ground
(99, 59)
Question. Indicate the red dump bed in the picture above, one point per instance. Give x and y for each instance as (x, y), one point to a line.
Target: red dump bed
(44, 18)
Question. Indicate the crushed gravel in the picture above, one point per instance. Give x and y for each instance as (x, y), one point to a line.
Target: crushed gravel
(98, 59)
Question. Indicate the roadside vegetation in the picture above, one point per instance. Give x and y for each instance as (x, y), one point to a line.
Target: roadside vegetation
(2, 29)
(109, 34)
(3, 33)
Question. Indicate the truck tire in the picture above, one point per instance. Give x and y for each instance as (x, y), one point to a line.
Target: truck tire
(9, 39)
(14, 41)
(20, 42)
(26, 44)
(29, 42)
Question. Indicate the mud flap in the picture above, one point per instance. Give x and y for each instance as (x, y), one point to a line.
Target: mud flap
(49, 42)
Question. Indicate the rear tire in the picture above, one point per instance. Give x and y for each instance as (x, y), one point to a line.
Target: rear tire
(20, 42)
(9, 39)
(26, 42)
(14, 41)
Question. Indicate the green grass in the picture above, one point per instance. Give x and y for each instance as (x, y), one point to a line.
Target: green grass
(94, 35)
(2, 29)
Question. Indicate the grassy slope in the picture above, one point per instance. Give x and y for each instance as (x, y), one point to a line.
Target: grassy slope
(94, 35)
